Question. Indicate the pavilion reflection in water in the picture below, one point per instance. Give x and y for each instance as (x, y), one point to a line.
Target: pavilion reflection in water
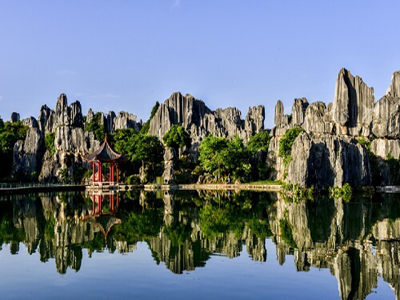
(103, 217)
(358, 242)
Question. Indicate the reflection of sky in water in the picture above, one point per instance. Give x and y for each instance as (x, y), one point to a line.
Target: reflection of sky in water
(137, 276)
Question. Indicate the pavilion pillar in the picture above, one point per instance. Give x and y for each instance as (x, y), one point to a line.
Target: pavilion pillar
(112, 172)
(117, 173)
(93, 206)
(93, 173)
(100, 172)
(112, 202)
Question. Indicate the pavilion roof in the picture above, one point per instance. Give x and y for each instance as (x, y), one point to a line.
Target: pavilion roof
(105, 154)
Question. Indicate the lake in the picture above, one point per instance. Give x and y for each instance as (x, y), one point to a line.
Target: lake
(198, 245)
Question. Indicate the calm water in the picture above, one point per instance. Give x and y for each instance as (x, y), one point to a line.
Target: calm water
(198, 245)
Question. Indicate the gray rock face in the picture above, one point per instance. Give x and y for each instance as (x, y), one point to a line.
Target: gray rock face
(27, 155)
(123, 120)
(394, 88)
(254, 121)
(315, 119)
(15, 117)
(90, 116)
(299, 110)
(30, 122)
(170, 157)
(326, 160)
(280, 118)
(68, 115)
(383, 147)
(353, 103)
(386, 117)
(199, 120)
(46, 120)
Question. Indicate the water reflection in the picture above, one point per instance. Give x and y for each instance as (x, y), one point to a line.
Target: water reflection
(358, 241)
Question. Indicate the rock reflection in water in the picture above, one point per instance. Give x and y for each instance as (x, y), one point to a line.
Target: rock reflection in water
(357, 241)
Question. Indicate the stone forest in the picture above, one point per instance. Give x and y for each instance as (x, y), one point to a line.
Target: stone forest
(353, 141)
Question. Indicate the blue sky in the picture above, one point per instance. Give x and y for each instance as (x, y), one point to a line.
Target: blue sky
(126, 55)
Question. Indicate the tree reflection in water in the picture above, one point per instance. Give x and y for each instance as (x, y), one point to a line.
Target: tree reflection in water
(357, 241)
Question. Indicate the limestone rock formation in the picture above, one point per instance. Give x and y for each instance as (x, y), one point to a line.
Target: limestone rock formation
(15, 117)
(394, 88)
(199, 120)
(326, 160)
(353, 103)
(383, 147)
(123, 120)
(386, 117)
(299, 110)
(27, 155)
(170, 157)
(46, 120)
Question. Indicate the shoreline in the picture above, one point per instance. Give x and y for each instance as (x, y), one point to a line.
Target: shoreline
(155, 187)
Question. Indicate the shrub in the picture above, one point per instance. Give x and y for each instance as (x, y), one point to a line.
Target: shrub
(49, 141)
(286, 144)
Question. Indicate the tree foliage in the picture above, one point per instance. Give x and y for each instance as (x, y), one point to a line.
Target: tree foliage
(139, 148)
(259, 141)
(286, 144)
(49, 143)
(177, 137)
(10, 133)
(221, 156)
(96, 127)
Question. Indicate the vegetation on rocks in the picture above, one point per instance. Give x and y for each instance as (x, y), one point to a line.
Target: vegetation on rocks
(286, 144)
(146, 126)
(49, 143)
(96, 127)
(177, 137)
(10, 133)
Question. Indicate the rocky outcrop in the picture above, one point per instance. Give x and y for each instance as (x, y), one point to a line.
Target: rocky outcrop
(353, 104)
(123, 120)
(27, 154)
(199, 120)
(298, 111)
(326, 160)
(46, 120)
(170, 157)
(383, 148)
(386, 117)
(15, 117)
(394, 88)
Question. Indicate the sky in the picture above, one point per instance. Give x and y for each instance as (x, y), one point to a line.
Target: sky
(126, 55)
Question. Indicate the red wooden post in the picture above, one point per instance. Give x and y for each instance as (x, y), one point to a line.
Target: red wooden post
(100, 172)
(117, 174)
(93, 177)
(110, 171)
(117, 199)
(93, 208)
(112, 203)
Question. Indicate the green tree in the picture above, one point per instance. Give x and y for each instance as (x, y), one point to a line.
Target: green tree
(96, 127)
(177, 137)
(221, 156)
(286, 144)
(259, 141)
(10, 133)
